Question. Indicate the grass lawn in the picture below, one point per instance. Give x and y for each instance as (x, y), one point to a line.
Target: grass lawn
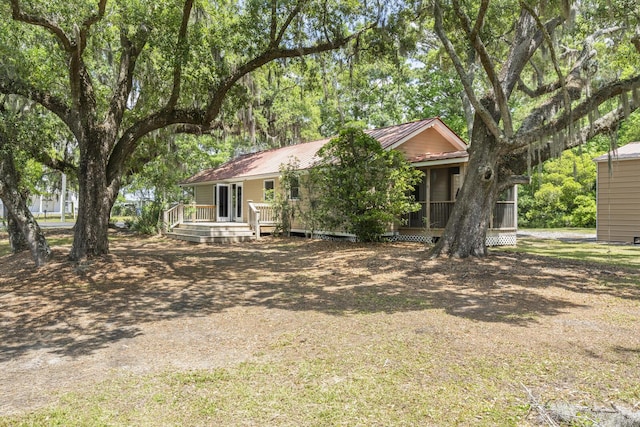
(596, 252)
(564, 230)
(294, 332)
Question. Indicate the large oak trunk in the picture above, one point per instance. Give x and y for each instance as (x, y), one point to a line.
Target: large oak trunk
(466, 231)
(95, 200)
(31, 233)
(17, 239)
(24, 231)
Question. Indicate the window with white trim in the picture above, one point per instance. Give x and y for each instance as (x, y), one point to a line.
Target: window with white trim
(269, 187)
(294, 188)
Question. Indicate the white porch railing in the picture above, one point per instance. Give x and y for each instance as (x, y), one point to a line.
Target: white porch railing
(181, 212)
(254, 218)
(267, 213)
(261, 214)
(503, 215)
(173, 216)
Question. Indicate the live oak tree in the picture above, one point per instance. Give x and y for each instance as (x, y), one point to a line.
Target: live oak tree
(390, 76)
(24, 232)
(29, 144)
(115, 72)
(541, 77)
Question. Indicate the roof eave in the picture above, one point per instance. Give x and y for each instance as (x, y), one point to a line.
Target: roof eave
(440, 162)
(617, 158)
(232, 179)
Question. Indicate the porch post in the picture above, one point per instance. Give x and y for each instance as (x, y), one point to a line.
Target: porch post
(428, 190)
(491, 216)
(254, 218)
(515, 207)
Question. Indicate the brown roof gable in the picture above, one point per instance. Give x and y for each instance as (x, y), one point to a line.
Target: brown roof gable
(268, 162)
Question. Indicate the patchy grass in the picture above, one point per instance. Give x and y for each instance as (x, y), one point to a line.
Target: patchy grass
(291, 332)
(403, 383)
(60, 238)
(562, 230)
(600, 253)
(68, 219)
(5, 249)
(315, 392)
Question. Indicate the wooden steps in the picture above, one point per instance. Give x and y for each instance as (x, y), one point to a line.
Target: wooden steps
(213, 232)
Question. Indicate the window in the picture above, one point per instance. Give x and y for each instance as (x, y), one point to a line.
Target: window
(294, 191)
(269, 190)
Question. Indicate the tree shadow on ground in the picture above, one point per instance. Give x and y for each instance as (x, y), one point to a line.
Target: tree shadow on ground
(74, 310)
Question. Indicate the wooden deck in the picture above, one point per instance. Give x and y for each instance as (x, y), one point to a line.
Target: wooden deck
(212, 232)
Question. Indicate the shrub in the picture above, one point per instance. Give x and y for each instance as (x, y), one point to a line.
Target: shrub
(584, 214)
(149, 220)
(362, 187)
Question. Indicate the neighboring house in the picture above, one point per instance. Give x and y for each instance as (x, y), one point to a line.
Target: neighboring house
(618, 195)
(49, 205)
(237, 189)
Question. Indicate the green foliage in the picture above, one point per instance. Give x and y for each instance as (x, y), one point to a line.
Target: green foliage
(122, 208)
(149, 221)
(161, 163)
(584, 213)
(630, 129)
(30, 129)
(562, 193)
(362, 188)
(284, 204)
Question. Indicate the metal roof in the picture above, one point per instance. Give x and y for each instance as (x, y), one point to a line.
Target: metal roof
(268, 162)
(629, 151)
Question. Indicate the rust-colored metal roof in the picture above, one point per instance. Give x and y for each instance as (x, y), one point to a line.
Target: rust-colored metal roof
(629, 151)
(390, 135)
(261, 163)
(268, 162)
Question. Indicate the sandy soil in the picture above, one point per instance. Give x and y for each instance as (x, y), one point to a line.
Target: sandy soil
(155, 305)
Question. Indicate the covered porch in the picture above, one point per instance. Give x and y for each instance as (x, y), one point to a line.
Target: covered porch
(436, 195)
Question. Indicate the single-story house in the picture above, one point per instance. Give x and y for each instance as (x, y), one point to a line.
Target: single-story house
(50, 204)
(618, 195)
(237, 189)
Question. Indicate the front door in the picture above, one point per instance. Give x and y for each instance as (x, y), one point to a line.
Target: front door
(236, 205)
(224, 202)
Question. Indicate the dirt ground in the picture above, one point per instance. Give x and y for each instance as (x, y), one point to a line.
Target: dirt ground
(154, 305)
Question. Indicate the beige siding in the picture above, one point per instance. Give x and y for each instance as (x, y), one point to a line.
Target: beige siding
(203, 194)
(618, 206)
(429, 141)
(254, 189)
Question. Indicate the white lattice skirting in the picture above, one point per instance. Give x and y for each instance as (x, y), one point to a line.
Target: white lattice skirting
(493, 238)
(501, 239)
(419, 238)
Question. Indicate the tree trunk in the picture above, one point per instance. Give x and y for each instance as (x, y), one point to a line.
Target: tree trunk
(37, 242)
(17, 239)
(466, 231)
(19, 216)
(95, 200)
